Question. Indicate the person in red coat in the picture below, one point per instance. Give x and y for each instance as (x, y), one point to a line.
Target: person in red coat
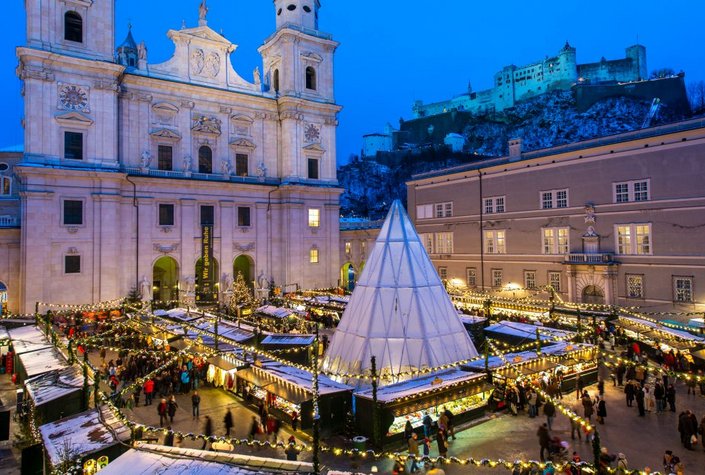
(148, 391)
(162, 411)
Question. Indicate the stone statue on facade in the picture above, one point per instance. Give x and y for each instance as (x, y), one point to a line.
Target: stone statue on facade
(590, 220)
(261, 170)
(187, 163)
(262, 281)
(190, 289)
(202, 13)
(146, 158)
(142, 51)
(145, 289)
(227, 283)
(258, 77)
(226, 167)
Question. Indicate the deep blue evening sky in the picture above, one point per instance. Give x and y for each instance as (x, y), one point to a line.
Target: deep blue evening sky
(395, 51)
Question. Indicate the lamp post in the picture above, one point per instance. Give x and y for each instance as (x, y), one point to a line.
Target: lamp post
(316, 414)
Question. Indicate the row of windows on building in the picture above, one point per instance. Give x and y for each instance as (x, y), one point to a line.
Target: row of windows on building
(623, 192)
(630, 239)
(73, 150)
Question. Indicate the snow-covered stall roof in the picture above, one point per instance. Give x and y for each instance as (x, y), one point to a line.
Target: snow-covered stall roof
(54, 384)
(177, 460)
(693, 322)
(435, 381)
(87, 433)
(276, 312)
(288, 339)
(674, 333)
(528, 331)
(29, 338)
(471, 319)
(557, 349)
(225, 330)
(180, 314)
(399, 311)
(42, 361)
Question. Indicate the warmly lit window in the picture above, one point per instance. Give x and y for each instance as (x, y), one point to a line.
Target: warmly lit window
(554, 280)
(427, 241)
(683, 289)
(166, 215)
(72, 264)
(554, 199)
(165, 155)
(241, 164)
(495, 242)
(633, 239)
(313, 255)
(5, 185)
(443, 273)
(529, 279)
(73, 212)
(314, 218)
(348, 247)
(629, 191)
(243, 216)
(497, 278)
(471, 276)
(635, 286)
(444, 243)
(555, 240)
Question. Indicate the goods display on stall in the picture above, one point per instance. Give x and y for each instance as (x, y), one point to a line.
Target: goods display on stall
(659, 336)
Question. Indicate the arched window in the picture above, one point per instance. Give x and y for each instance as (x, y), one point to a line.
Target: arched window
(275, 80)
(310, 78)
(205, 160)
(73, 27)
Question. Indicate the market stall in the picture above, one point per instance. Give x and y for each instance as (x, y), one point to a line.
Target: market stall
(56, 394)
(475, 327)
(515, 333)
(27, 339)
(222, 368)
(288, 390)
(294, 347)
(39, 362)
(659, 338)
(5, 350)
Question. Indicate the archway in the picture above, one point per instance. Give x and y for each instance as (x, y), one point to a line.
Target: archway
(3, 298)
(348, 277)
(593, 294)
(165, 279)
(215, 272)
(244, 265)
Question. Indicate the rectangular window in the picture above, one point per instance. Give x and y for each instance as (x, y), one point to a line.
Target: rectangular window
(348, 247)
(427, 240)
(448, 210)
(529, 279)
(471, 276)
(554, 280)
(635, 286)
(313, 168)
(439, 210)
(444, 243)
(633, 239)
(630, 191)
(555, 240)
(166, 215)
(73, 145)
(497, 278)
(314, 218)
(443, 273)
(554, 199)
(207, 215)
(72, 264)
(682, 289)
(495, 242)
(313, 255)
(165, 155)
(243, 216)
(424, 211)
(242, 164)
(73, 212)
(494, 204)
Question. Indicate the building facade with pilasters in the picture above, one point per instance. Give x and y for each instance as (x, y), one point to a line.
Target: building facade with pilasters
(128, 165)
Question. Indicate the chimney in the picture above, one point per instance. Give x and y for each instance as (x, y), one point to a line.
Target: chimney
(514, 150)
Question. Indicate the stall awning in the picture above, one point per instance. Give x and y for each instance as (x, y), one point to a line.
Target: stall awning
(513, 372)
(224, 364)
(272, 385)
(288, 339)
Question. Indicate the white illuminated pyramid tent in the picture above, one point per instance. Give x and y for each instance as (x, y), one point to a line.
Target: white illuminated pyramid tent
(399, 311)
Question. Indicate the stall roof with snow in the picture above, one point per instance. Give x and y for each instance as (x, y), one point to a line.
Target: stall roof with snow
(86, 433)
(646, 325)
(399, 312)
(29, 338)
(177, 460)
(55, 384)
(290, 339)
(225, 330)
(560, 348)
(276, 312)
(42, 361)
(526, 331)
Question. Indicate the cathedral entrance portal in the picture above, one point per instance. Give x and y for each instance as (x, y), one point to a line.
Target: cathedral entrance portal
(593, 294)
(244, 265)
(348, 277)
(165, 279)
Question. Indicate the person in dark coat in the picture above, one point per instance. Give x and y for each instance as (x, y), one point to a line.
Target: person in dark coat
(629, 393)
(601, 410)
(442, 442)
(408, 430)
(671, 397)
(207, 431)
(228, 422)
(579, 387)
(544, 439)
(549, 410)
(640, 401)
(169, 437)
(171, 408)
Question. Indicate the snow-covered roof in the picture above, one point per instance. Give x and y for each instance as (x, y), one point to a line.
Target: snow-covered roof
(179, 314)
(177, 460)
(527, 331)
(42, 361)
(399, 311)
(54, 384)
(225, 330)
(681, 334)
(4, 335)
(433, 381)
(556, 349)
(17, 148)
(295, 377)
(288, 339)
(28, 338)
(472, 319)
(272, 311)
(87, 433)
(693, 322)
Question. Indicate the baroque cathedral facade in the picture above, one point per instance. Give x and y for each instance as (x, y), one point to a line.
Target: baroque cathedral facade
(172, 178)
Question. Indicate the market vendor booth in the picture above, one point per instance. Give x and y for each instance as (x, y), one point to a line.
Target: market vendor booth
(516, 333)
(463, 393)
(57, 394)
(294, 347)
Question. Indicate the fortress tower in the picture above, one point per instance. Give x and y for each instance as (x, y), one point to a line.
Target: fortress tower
(637, 53)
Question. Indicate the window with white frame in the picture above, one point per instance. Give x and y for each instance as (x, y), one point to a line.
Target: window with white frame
(555, 240)
(443, 273)
(682, 289)
(313, 255)
(424, 211)
(444, 243)
(529, 279)
(495, 242)
(633, 239)
(632, 191)
(551, 199)
(497, 277)
(444, 210)
(635, 286)
(314, 217)
(554, 280)
(494, 204)
(427, 241)
(471, 276)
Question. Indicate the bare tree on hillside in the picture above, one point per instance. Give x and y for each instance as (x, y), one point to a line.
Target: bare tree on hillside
(696, 96)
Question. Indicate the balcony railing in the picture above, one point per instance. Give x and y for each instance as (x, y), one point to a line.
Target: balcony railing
(589, 258)
(9, 222)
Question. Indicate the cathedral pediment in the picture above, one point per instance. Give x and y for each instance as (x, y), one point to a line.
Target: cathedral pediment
(314, 147)
(68, 119)
(204, 35)
(244, 143)
(164, 133)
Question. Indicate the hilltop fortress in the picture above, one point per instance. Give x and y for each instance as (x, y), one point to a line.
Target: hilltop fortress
(560, 72)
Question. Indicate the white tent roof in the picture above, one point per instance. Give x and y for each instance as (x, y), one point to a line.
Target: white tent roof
(399, 311)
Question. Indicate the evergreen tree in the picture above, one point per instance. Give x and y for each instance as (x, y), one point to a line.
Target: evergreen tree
(241, 296)
(133, 296)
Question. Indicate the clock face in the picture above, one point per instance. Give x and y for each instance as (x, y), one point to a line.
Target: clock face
(311, 133)
(73, 98)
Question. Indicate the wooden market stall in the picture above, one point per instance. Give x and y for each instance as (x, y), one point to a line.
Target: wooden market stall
(56, 394)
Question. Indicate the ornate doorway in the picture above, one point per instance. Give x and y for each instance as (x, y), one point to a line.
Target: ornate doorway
(165, 279)
(593, 294)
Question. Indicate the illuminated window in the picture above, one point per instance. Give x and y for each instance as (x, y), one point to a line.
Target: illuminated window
(471, 276)
(682, 289)
(497, 277)
(554, 280)
(427, 241)
(635, 286)
(444, 243)
(633, 239)
(495, 242)
(555, 240)
(348, 247)
(529, 279)
(313, 255)
(314, 218)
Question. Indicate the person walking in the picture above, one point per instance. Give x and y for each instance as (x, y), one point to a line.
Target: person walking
(588, 408)
(162, 411)
(532, 400)
(292, 452)
(427, 424)
(408, 430)
(549, 410)
(294, 420)
(228, 422)
(544, 439)
(660, 397)
(254, 428)
(629, 392)
(449, 417)
(671, 397)
(649, 399)
(640, 396)
(207, 431)
(579, 387)
(575, 427)
(414, 452)
(442, 442)
(169, 437)
(148, 391)
(196, 404)
(601, 410)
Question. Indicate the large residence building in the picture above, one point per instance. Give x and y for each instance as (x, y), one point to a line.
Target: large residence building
(170, 177)
(618, 220)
